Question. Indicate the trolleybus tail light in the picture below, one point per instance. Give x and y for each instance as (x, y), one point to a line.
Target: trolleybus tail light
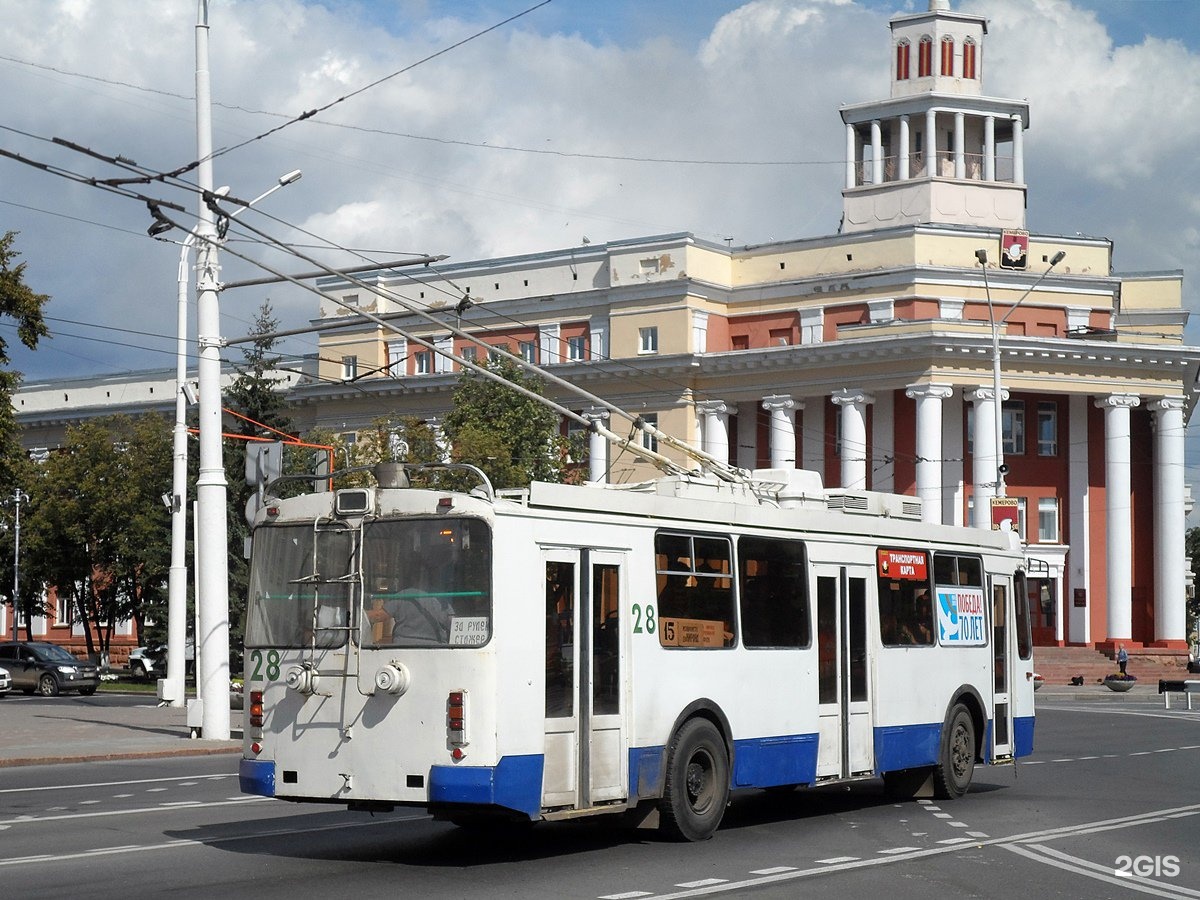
(256, 709)
(456, 722)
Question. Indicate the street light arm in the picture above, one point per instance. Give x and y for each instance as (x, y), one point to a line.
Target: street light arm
(1054, 261)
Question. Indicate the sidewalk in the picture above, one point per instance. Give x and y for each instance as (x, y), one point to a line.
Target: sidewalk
(81, 729)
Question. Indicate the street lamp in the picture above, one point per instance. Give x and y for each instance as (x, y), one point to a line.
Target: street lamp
(981, 256)
(173, 690)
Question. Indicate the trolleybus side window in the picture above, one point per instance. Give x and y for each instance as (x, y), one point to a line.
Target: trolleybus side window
(695, 590)
(905, 598)
(302, 586)
(1024, 635)
(773, 588)
(961, 607)
(560, 639)
(428, 583)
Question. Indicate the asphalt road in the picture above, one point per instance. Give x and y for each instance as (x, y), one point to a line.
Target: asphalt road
(1111, 787)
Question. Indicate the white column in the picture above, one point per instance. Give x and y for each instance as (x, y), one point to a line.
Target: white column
(954, 481)
(905, 148)
(1118, 518)
(983, 457)
(876, 152)
(960, 146)
(989, 148)
(746, 454)
(854, 436)
(929, 399)
(812, 438)
(1079, 557)
(597, 446)
(1018, 151)
(782, 430)
(1170, 558)
(851, 158)
(714, 417)
(931, 142)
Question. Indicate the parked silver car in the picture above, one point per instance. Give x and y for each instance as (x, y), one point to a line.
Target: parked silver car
(5, 682)
(47, 668)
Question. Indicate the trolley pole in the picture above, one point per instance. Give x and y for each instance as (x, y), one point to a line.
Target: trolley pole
(212, 643)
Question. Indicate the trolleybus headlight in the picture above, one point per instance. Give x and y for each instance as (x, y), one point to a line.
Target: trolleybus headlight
(392, 678)
(302, 678)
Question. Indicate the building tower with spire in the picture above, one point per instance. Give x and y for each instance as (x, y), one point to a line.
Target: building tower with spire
(938, 149)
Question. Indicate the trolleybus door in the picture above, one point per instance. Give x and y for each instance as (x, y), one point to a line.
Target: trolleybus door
(585, 749)
(846, 744)
(1003, 661)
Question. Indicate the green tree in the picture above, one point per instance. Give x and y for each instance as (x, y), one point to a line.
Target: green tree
(97, 530)
(256, 398)
(23, 305)
(514, 439)
(1192, 548)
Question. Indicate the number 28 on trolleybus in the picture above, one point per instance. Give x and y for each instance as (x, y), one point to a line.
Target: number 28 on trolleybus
(577, 650)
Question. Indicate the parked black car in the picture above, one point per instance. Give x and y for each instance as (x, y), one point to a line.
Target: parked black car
(47, 668)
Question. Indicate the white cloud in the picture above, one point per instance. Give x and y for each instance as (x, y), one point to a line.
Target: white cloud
(1112, 133)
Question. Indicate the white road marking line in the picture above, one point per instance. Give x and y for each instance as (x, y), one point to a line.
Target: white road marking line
(628, 895)
(88, 802)
(121, 796)
(100, 784)
(155, 790)
(703, 882)
(181, 842)
(25, 820)
(958, 824)
(1077, 866)
(943, 816)
(773, 871)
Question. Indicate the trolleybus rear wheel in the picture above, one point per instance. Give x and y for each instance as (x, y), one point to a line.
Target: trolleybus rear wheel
(697, 787)
(952, 775)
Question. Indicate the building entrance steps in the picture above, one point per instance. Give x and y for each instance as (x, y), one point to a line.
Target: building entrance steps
(1058, 665)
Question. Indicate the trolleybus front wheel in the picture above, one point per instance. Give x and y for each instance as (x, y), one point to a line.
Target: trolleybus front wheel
(697, 786)
(952, 775)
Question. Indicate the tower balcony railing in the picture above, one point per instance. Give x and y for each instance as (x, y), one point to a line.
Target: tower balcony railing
(942, 167)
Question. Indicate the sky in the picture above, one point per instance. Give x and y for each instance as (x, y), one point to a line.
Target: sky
(604, 119)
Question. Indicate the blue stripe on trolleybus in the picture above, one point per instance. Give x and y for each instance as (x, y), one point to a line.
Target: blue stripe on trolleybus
(770, 761)
(513, 783)
(257, 776)
(907, 746)
(1023, 734)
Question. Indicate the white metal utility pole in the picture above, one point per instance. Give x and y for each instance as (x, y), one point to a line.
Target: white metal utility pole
(212, 643)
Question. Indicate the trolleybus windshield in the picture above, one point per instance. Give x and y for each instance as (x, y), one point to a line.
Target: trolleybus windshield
(422, 583)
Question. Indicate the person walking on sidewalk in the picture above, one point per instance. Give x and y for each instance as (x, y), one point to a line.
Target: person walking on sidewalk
(1122, 658)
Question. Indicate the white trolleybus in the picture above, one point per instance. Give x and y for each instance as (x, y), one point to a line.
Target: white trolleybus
(579, 650)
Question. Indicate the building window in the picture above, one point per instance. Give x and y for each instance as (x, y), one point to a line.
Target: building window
(529, 351)
(1047, 426)
(493, 354)
(1013, 423)
(781, 337)
(648, 339)
(649, 441)
(739, 342)
(947, 55)
(925, 57)
(968, 64)
(349, 368)
(424, 362)
(1048, 520)
(470, 353)
(63, 609)
(1021, 519)
(577, 347)
(902, 53)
